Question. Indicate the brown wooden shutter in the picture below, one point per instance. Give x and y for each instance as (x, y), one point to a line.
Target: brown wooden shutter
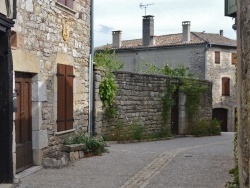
(234, 58)
(61, 92)
(69, 3)
(225, 86)
(69, 97)
(62, 1)
(217, 57)
(64, 97)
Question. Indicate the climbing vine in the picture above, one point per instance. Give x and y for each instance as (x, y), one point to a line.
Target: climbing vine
(186, 84)
(109, 62)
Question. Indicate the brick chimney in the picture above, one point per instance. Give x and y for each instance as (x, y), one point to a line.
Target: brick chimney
(221, 32)
(186, 31)
(117, 39)
(147, 29)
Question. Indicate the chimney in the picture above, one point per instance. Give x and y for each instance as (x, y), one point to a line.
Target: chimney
(186, 31)
(152, 40)
(221, 32)
(147, 29)
(117, 39)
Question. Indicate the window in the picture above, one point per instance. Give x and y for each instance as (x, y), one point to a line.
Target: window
(64, 97)
(217, 57)
(68, 3)
(225, 86)
(234, 58)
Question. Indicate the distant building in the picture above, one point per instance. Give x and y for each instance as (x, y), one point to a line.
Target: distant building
(209, 56)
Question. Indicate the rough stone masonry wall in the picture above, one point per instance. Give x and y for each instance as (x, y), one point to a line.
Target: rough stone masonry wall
(139, 99)
(38, 47)
(243, 88)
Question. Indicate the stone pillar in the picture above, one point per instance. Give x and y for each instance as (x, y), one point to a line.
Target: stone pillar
(243, 88)
(183, 119)
(39, 136)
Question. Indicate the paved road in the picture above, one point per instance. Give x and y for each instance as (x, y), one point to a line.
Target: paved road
(179, 163)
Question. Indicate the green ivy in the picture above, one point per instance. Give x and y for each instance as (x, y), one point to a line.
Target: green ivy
(109, 62)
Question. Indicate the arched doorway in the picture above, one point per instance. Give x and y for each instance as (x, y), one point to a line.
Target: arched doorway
(221, 114)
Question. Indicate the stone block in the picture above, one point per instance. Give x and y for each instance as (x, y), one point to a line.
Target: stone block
(81, 154)
(73, 147)
(36, 116)
(39, 139)
(39, 91)
(73, 156)
(37, 157)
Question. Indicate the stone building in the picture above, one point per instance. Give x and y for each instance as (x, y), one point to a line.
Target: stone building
(208, 56)
(50, 46)
(243, 87)
(7, 14)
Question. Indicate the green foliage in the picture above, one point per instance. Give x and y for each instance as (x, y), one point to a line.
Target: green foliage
(108, 90)
(193, 91)
(96, 146)
(122, 132)
(205, 127)
(109, 62)
(168, 102)
(163, 132)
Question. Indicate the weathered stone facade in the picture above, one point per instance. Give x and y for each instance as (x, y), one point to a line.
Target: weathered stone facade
(139, 99)
(48, 33)
(243, 87)
(215, 73)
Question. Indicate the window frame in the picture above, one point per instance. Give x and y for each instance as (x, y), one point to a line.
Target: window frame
(234, 58)
(67, 3)
(217, 57)
(225, 86)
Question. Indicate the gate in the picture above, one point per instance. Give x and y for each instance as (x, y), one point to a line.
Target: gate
(23, 122)
(221, 115)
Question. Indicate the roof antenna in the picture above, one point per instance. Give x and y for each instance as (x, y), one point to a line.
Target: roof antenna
(145, 6)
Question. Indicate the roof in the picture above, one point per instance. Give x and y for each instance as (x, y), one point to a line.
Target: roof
(176, 40)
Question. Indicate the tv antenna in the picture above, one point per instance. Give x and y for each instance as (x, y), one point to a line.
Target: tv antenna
(145, 6)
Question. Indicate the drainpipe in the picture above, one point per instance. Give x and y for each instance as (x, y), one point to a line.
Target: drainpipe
(205, 50)
(91, 71)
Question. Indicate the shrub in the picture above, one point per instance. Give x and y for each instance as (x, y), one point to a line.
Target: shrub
(94, 145)
(205, 127)
(163, 132)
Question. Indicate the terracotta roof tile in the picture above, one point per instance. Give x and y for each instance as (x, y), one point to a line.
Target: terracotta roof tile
(176, 40)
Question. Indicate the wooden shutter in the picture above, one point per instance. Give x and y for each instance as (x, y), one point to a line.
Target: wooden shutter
(225, 86)
(234, 58)
(61, 95)
(217, 57)
(69, 97)
(64, 97)
(69, 3)
(62, 1)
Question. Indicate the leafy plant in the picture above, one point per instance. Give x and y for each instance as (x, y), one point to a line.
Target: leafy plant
(163, 132)
(109, 62)
(205, 127)
(96, 146)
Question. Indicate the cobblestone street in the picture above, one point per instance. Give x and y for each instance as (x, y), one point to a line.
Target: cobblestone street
(188, 162)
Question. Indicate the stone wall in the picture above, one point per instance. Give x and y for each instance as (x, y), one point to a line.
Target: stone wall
(243, 87)
(139, 99)
(47, 33)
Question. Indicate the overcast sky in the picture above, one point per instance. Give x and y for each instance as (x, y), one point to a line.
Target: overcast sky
(126, 15)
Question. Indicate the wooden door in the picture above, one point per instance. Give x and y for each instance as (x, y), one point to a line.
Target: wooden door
(221, 115)
(23, 122)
